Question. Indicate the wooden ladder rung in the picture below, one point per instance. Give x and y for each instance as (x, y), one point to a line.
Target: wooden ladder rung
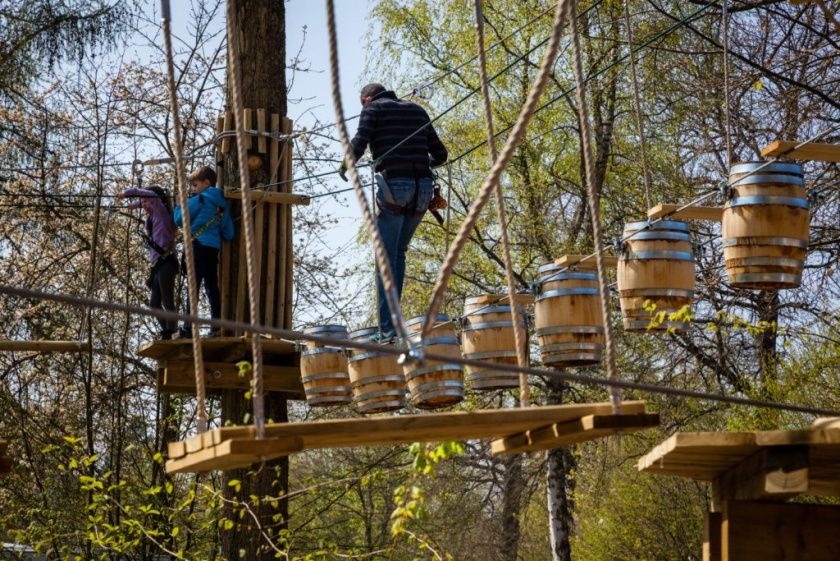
(586, 428)
(811, 151)
(665, 210)
(45, 346)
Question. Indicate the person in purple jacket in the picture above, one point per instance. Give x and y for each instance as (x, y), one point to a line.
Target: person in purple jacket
(159, 238)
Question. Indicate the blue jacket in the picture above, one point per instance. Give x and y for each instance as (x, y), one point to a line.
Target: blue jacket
(209, 205)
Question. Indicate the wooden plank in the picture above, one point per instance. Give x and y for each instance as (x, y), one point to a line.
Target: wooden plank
(228, 127)
(826, 423)
(611, 261)
(220, 127)
(271, 266)
(3, 447)
(44, 346)
(772, 473)
(458, 425)
(232, 454)
(699, 455)
(712, 535)
(262, 141)
(247, 124)
(5, 464)
(574, 431)
(224, 375)
(214, 347)
(259, 250)
(224, 274)
(176, 449)
(713, 213)
(288, 238)
(754, 531)
(241, 284)
(812, 151)
(274, 150)
(271, 197)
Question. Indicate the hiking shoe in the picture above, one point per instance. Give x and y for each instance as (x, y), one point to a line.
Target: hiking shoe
(383, 338)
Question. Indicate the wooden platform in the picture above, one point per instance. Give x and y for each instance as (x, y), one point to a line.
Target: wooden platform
(611, 261)
(5, 461)
(662, 210)
(812, 151)
(754, 465)
(176, 370)
(231, 447)
(45, 346)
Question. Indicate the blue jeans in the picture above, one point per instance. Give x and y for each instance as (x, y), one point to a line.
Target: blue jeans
(397, 229)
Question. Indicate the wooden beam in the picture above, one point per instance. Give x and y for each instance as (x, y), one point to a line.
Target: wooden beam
(712, 535)
(179, 375)
(713, 213)
(426, 427)
(262, 141)
(773, 473)
(574, 431)
(610, 261)
(272, 198)
(248, 124)
(813, 151)
(761, 531)
(228, 127)
(5, 462)
(234, 453)
(45, 346)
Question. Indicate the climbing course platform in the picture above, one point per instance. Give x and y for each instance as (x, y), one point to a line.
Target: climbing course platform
(233, 447)
(176, 369)
(5, 461)
(752, 474)
(683, 212)
(814, 151)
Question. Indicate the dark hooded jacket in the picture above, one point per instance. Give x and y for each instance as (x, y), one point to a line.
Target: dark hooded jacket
(384, 123)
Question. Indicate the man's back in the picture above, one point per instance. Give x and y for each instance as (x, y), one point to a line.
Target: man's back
(385, 123)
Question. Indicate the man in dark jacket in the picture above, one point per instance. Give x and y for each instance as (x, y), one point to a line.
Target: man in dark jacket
(404, 147)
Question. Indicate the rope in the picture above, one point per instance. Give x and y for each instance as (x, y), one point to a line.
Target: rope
(381, 256)
(726, 116)
(234, 65)
(448, 208)
(637, 107)
(518, 336)
(277, 333)
(499, 165)
(595, 212)
(201, 408)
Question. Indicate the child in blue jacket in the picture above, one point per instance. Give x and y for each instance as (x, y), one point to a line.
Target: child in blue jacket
(210, 223)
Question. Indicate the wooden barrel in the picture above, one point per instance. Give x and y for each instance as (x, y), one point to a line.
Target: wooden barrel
(324, 369)
(435, 384)
(656, 265)
(765, 226)
(487, 335)
(377, 379)
(567, 316)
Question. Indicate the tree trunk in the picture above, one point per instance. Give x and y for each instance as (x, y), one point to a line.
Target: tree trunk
(511, 504)
(262, 46)
(560, 487)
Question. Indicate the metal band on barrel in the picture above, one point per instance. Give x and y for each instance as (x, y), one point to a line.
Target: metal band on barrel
(594, 357)
(658, 254)
(567, 292)
(434, 368)
(558, 347)
(398, 378)
(569, 329)
(657, 235)
(769, 179)
(778, 278)
(767, 200)
(774, 167)
(490, 354)
(767, 261)
(654, 226)
(320, 350)
(657, 292)
(765, 240)
(326, 389)
(324, 376)
(488, 325)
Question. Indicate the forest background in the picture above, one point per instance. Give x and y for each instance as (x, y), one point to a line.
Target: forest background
(82, 94)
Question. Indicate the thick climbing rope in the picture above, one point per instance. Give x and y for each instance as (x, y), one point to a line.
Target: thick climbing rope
(637, 107)
(181, 173)
(725, 54)
(499, 165)
(382, 262)
(518, 335)
(595, 213)
(235, 67)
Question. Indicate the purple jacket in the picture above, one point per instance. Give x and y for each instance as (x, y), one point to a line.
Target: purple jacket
(160, 227)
